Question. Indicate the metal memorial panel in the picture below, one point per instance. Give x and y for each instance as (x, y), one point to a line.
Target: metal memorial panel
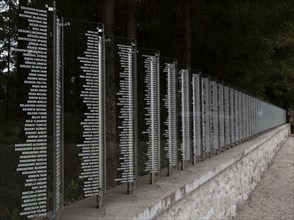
(243, 117)
(168, 113)
(236, 110)
(214, 116)
(247, 117)
(221, 122)
(232, 117)
(149, 91)
(261, 116)
(58, 117)
(206, 135)
(254, 116)
(126, 99)
(250, 116)
(240, 116)
(196, 94)
(227, 116)
(84, 110)
(185, 108)
(27, 113)
(258, 116)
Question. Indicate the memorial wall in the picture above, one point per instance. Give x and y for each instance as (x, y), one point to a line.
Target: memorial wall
(168, 113)
(83, 110)
(31, 148)
(185, 122)
(149, 91)
(197, 131)
(125, 63)
(53, 115)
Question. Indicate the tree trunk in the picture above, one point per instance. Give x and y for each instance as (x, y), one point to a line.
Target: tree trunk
(131, 19)
(186, 47)
(111, 125)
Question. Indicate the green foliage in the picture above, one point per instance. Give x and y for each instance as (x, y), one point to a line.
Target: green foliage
(15, 214)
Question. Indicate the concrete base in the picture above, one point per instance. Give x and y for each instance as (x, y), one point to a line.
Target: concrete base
(212, 189)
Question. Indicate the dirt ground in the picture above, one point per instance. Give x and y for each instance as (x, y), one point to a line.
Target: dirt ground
(273, 197)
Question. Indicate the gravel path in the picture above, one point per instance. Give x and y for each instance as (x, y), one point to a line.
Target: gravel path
(273, 197)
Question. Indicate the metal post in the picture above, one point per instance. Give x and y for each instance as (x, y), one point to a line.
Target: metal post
(158, 116)
(101, 77)
(62, 111)
(176, 122)
(54, 211)
(130, 185)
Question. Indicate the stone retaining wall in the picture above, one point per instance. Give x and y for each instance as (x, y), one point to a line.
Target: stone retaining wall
(219, 197)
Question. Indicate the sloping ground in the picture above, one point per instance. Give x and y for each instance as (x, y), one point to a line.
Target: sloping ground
(273, 197)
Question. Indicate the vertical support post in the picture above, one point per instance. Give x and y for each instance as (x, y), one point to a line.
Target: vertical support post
(62, 112)
(201, 116)
(171, 105)
(169, 168)
(183, 118)
(54, 211)
(185, 109)
(169, 119)
(158, 116)
(176, 122)
(127, 100)
(100, 196)
(152, 120)
(135, 116)
(130, 185)
(190, 111)
(104, 109)
(194, 119)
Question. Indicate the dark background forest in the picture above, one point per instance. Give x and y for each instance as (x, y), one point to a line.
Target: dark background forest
(247, 44)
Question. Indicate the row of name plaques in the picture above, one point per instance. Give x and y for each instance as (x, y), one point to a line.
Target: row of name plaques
(53, 138)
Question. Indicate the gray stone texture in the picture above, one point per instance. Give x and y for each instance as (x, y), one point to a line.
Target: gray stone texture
(223, 195)
(273, 197)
